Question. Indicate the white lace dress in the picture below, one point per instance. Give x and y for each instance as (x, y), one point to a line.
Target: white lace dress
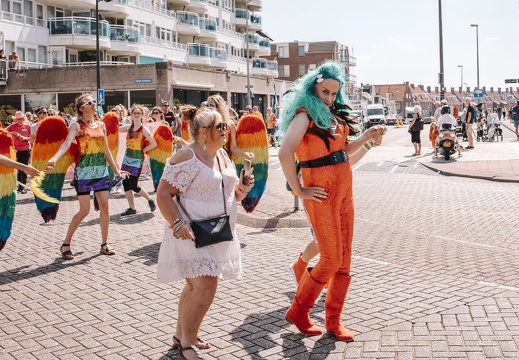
(201, 196)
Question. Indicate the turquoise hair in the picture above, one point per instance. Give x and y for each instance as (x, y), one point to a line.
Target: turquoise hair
(302, 95)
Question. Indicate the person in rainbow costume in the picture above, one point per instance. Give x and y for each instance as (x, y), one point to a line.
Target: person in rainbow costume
(91, 169)
(317, 127)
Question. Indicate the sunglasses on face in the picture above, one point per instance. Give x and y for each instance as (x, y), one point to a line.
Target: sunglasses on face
(136, 113)
(42, 112)
(155, 113)
(89, 103)
(211, 105)
(221, 126)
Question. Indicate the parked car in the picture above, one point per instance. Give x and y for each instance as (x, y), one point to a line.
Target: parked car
(428, 120)
(391, 119)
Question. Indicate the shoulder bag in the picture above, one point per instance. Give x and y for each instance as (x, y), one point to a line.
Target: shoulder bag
(211, 230)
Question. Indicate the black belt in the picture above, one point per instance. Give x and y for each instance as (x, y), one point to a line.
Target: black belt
(331, 159)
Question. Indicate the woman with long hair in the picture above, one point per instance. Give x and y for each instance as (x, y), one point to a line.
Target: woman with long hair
(91, 172)
(136, 148)
(318, 130)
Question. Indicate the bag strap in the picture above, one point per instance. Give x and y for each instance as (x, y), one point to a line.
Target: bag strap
(223, 194)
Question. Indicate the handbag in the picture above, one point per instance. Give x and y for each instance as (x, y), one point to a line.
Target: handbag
(211, 230)
(418, 125)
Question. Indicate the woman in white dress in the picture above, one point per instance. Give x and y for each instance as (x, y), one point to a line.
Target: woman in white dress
(195, 174)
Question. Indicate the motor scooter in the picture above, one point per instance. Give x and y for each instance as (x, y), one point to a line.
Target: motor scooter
(446, 142)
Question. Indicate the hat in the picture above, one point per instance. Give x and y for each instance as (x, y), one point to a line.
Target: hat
(444, 102)
(18, 115)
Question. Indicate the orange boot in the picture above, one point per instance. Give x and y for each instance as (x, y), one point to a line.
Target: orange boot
(299, 268)
(337, 289)
(298, 313)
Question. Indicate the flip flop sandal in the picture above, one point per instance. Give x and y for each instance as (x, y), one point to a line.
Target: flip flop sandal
(176, 343)
(181, 350)
(66, 255)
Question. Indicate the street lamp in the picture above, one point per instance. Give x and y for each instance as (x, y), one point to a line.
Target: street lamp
(461, 66)
(440, 75)
(249, 100)
(98, 64)
(477, 46)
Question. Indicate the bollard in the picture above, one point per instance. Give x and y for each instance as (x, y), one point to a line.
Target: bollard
(296, 203)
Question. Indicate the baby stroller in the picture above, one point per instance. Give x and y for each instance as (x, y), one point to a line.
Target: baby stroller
(495, 132)
(481, 132)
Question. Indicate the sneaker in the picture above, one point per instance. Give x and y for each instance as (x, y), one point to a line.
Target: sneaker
(129, 211)
(153, 207)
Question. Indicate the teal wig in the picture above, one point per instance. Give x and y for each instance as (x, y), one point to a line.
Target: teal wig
(302, 95)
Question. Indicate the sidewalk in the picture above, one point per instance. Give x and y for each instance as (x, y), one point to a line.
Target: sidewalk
(494, 161)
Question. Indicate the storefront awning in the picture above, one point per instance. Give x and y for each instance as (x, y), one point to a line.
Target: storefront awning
(192, 85)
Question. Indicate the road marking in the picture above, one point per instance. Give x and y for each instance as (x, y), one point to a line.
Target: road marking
(370, 260)
(498, 285)
(416, 164)
(357, 166)
(393, 169)
(380, 163)
(463, 241)
(366, 220)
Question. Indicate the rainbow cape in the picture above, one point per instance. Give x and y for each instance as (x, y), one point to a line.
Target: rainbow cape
(7, 188)
(158, 156)
(251, 136)
(111, 121)
(51, 133)
(184, 130)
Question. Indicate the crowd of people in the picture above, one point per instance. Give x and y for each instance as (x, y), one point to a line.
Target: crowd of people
(200, 182)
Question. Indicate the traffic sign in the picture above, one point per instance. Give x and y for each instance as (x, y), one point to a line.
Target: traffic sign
(101, 96)
(478, 94)
(511, 81)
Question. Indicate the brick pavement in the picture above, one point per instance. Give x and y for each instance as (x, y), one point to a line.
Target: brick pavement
(425, 284)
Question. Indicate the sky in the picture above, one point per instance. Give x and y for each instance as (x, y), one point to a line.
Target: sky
(395, 41)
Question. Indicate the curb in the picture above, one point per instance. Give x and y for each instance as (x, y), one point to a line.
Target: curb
(496, 178)
(272, 222)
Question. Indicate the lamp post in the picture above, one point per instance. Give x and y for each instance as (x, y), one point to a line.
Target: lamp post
(440, 75)
(477, 46)
(461, 66)
(98, 63)
(249, 100)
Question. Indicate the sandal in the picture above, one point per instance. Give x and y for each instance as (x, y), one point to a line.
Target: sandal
(201, 345)
(181, 350)
(105, 250)
(66, 255)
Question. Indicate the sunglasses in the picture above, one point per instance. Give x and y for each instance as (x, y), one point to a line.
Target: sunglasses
(136, 113)
(89, 103)
(42, 112)
(222, 126)
(211, 105)
(155, 113)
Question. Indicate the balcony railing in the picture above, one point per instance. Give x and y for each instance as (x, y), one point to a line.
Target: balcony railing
(350, 60)
(124, 33)
(219, 54)
(188, 18)
(147, 5)
(264, 42)
(22, 19)
(253, 39)
(210, 25)
(265, 64)
(77, 26)
(351, 79)
(242, 14)
(201, 50)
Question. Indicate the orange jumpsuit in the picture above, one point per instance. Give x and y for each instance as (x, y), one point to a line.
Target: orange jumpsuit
(332, 220)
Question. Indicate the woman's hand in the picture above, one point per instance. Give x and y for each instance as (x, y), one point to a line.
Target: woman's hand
(185, 233)
(249, 156)
(249, 182)
(50, 165)
(29, 170)
(313, 193)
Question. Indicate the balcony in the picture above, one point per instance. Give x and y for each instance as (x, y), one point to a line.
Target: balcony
(188, 23)
(21, 19)
(198, 55)
(264, 46)
(218, 58)
(253, 42)
(240, 16)
(351, 79)
(114, 8)
(254, 5)
(208, 29)
(265, 68)
(125, 40)
(348, 60)
(177, 3)
(78, 32)
(198, 6)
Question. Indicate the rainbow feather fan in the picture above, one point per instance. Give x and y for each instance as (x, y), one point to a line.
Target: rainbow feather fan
(158, 156)
(111, 121)
(251, 136)
(7, 188)
(184, 131)
(51, 133)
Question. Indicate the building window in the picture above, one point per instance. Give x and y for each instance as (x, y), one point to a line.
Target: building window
(282, 51)
(301, 50)
(284, 71)
(312, 67)
(302, 69)
(389, 95)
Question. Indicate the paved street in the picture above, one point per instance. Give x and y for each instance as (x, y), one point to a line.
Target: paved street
(434, 274)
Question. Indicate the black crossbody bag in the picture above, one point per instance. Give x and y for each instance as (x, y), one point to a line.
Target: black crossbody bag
(211, 230)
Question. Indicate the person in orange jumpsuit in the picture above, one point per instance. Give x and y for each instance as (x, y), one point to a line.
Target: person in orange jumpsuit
(317, 129)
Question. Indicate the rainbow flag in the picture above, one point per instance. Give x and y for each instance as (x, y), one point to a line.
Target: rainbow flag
(7, 188)
(51, 133)
(251, 136)
(158, 156)
(111, 121)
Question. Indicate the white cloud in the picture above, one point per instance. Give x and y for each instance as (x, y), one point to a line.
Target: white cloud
(363, 57)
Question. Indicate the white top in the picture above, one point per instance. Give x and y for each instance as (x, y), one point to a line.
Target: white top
(201, 196)
(446, 119)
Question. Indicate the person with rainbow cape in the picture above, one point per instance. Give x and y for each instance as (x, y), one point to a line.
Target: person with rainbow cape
(317, 129)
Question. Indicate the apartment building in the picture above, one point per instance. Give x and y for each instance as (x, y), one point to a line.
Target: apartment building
(150, 50)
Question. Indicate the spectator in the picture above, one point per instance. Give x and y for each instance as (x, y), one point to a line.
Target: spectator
(415, 128)
(14, 60)
(21, 131)
(515, 118)
(158, 115)
(41, 113)
(256, 112)
(469, 121)
(271, 127)
(169, 117)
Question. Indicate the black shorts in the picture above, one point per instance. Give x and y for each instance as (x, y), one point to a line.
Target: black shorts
(415, 137)
(271, 131)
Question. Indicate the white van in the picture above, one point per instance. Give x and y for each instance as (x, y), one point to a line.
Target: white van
(409, 114)
(376, 115)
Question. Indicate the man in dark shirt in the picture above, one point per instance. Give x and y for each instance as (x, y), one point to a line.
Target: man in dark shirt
(169, 117)
(515, 118)
(469, 121)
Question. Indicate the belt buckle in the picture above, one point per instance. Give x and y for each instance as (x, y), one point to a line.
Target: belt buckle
(334, 158)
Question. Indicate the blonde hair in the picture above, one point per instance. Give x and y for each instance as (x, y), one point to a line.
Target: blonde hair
(130, 112)
(202, 119)
(221, 106)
